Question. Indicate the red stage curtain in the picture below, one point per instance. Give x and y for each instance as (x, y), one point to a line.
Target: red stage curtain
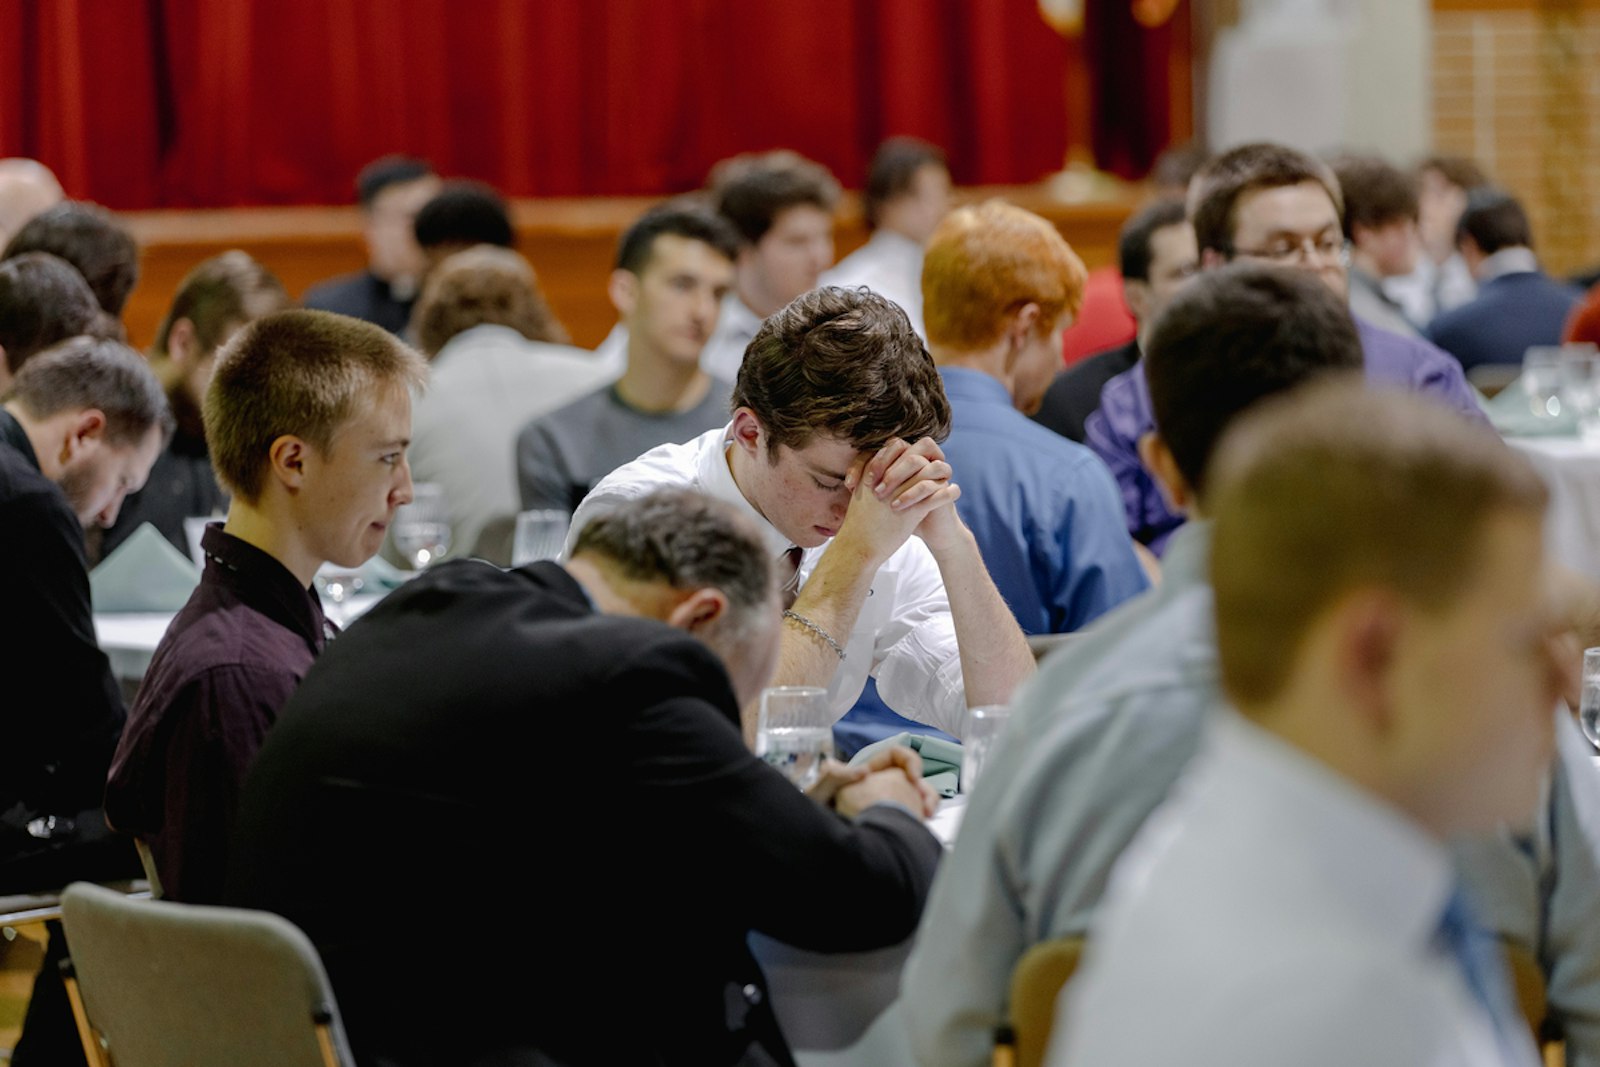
(201, 103)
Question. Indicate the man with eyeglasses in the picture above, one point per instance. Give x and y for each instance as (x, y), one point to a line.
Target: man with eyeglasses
(1271, 204)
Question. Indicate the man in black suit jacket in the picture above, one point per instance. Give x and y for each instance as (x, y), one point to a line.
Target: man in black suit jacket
(558, 750)
(1517, 305)
(1157, 255)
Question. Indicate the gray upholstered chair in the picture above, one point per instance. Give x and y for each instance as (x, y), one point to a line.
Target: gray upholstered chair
(156, 982)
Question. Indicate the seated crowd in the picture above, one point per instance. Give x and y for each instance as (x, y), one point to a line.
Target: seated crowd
(1296, 784)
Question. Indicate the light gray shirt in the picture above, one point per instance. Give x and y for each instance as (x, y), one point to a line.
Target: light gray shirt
(1097, 740)
(563, 455)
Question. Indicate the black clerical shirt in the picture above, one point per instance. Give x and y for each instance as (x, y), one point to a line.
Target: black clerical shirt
(61, 710)
(230, 660)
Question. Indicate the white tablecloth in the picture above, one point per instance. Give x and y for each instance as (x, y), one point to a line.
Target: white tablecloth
(1571, 468)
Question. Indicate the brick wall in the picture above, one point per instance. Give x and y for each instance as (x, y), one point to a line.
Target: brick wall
(1517, 87)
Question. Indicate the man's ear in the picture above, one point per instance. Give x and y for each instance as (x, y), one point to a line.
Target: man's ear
(183, 347)
(1368, 626)
(1158, 460)
(1019, 332)
(623, 288)
(1136, 294)
(748, 433)
(287, 459)
(699, 609)
(85, 431)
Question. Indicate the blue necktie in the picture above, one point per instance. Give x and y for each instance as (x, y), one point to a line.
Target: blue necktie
(1483, 966)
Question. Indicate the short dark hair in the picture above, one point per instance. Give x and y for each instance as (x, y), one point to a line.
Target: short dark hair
(691, 221)
(1133, 244)
(43, 300)
(88, 372)
(894, 168)
(92, 240)
(464, 213)
(1494, 220)
(1460, 171)
(1376, 193)
(383, 172)
(295, 372)
(750, 191)
(841, 362)
(1217, 187)
(1232, 337)
(685, 539)
(220, 294)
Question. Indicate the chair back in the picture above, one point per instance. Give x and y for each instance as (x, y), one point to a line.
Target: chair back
(162, 983)
(1035, 986)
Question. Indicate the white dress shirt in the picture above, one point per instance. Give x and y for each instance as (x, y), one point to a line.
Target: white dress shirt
(890, 264)
(1272, 912)
(483, 386)
(904, 636)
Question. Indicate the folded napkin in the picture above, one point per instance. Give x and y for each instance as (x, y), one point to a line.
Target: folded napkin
(941, 759)
(1511, 414)
(145, 573)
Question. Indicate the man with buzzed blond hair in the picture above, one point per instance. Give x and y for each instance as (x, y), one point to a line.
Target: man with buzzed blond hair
(308, 416)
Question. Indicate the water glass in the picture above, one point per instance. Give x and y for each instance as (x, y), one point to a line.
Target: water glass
(795, 733)
(338, 583)
(422, 528)
(1541, 380)
(541, 534)
(1580, 388)
(984, 726)
(1589, 705)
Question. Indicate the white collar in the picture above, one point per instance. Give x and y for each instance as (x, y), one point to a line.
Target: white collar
(716, 479)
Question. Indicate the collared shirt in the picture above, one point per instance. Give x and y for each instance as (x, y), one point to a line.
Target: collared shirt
(1275, 910)
(890, 264)
(63, 708)
(1045, 511)
(484, 386)
(1369, 303)
(561, 455)
(736, 327)
(1125, 415)
(1098, 739)
(904, 636)
(230, 660)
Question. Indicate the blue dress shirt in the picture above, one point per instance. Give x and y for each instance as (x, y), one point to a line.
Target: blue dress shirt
(1044, 510)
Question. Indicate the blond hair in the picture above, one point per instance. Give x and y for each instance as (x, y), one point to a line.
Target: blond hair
(1336, 486)
(296, 372)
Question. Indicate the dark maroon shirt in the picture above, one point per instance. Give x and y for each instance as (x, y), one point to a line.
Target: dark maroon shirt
(227, 664)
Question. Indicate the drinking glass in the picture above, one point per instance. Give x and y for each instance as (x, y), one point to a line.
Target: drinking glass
(985, 723)
(1541, 380)
(338, 583)
(1580, 388)
(795, 732)
(540, 534)
(422, 527)
(1589, 705)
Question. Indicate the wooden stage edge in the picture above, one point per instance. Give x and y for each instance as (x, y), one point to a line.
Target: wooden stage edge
(570, 241)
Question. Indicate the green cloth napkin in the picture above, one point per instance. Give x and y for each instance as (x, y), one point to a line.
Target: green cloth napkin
(1508, 410)
(145, 573)
(941, 759)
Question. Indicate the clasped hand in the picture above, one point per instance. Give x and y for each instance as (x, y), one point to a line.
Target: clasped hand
(893, 776)
(902, 490)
